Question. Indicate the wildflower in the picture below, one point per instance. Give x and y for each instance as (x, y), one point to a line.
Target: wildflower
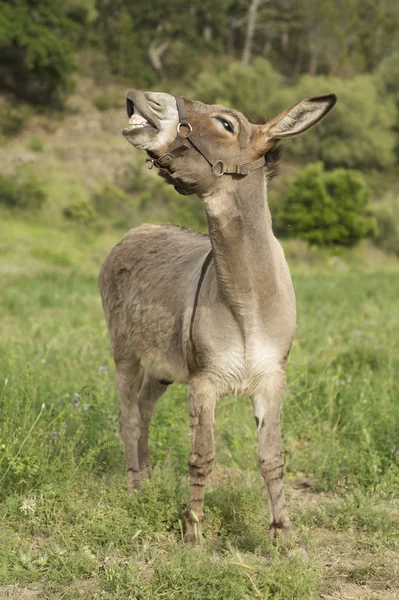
(28, 506)
(86, 407)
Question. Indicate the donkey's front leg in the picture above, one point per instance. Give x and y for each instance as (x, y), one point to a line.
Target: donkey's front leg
(201, 399)
(271, 461)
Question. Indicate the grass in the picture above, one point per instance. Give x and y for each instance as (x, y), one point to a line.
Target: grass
(69, 530)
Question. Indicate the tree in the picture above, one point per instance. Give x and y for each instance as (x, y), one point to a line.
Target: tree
(387, 77)
(358, 133)
(326, 208)
(36, 51)
(157, 40)
(249, 89)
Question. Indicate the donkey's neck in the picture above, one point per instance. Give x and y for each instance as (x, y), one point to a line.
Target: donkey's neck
(243, 244)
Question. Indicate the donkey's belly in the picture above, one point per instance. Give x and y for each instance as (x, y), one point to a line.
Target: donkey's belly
(156, 336)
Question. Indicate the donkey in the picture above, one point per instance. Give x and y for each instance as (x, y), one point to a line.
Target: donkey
(216, 311)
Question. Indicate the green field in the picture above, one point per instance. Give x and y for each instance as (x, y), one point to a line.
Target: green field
(68, 528)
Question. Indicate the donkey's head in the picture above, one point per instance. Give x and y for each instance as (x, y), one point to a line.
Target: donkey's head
(220, 140)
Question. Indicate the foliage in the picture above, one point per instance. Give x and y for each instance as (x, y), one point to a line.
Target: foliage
(116, 206)
(229, 85)
(332, 37)
(167, 43)
(387, 77)
(327, 208)
(107, 99)
(36, 52)
(358, 131)
(13, 118)
(386, 212)
(35, 143)
(23, 190)
(155, 197)
(81, 212)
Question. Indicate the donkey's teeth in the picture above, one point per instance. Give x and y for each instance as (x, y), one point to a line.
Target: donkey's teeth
(137, 120)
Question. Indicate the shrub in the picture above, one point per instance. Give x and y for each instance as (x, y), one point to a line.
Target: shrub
(326, 208)
(81, 212)
(115, 205)
(22, 191)
(387, 77)
(102, 102)
(13, 119)
(35, 143)
(386, 213)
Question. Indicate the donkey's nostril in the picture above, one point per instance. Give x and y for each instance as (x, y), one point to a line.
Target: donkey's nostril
(129, 107)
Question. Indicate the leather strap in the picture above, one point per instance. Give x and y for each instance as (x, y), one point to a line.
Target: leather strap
(204, 268)
(192, 140)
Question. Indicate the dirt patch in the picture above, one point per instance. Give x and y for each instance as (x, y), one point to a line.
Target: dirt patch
(15, 592)
(349, 591)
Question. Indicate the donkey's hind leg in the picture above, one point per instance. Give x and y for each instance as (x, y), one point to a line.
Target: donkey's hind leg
(150, 392)
(128, 382)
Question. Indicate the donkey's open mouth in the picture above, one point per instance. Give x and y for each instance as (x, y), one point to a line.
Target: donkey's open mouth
(137, 120)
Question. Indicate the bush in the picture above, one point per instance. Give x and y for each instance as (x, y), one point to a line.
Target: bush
(81, 212)
(22, 191)
(118, 208)
(386, 213)
(109, 97)
(35, 143)
(326, 208)
(387, 77)
(13, 119)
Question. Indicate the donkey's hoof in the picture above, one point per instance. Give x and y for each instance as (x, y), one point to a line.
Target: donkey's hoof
(297, 551)
(133, 482)
(280, 531)
(193, 534)
(292, 547)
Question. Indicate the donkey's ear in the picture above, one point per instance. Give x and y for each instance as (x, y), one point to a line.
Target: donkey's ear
(300, 117)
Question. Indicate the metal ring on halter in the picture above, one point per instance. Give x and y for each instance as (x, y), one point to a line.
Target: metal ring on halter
(149, 163)
(222, 168)
(184, 124)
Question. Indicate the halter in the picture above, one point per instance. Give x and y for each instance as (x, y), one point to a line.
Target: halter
(192, 140)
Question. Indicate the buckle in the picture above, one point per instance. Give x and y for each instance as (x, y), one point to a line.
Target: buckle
(165, 159)
(222, 168)
(245, 168)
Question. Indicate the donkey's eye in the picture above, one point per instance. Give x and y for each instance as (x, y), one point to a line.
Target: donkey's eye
(228, 125)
